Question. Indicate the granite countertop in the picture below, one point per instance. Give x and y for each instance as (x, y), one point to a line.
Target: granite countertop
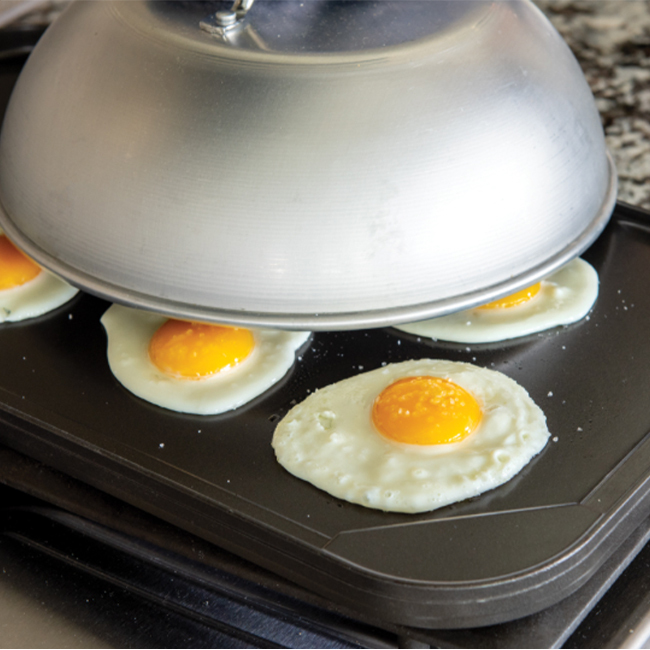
(611, 40)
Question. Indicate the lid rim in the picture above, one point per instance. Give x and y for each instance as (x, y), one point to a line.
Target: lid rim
(321, 321)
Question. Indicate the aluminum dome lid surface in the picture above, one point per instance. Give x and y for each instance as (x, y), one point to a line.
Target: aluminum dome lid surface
(326, 165)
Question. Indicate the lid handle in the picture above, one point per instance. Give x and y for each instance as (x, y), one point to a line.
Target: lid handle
(229, 18)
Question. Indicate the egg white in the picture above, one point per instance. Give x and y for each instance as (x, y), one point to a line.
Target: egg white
(565, 297)
(36, 297)
(129, 332)
(330, 441)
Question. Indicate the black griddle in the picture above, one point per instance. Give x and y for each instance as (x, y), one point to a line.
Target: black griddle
(503, 555)
(497, 557)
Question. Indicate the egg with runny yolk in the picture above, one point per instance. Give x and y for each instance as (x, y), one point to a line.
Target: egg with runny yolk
(27, 290)
(194, 367)
(412, 436)
(565, 297)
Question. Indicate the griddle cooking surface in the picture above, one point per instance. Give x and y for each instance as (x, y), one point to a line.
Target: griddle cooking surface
(517, 549)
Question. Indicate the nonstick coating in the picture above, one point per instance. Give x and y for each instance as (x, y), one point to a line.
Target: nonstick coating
(504, 554)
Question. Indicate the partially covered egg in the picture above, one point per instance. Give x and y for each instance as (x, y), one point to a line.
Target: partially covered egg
(563, 298)
(412, 436)
(195, 367)
(27, 290)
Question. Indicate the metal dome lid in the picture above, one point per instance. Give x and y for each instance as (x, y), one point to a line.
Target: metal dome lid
(306, 164)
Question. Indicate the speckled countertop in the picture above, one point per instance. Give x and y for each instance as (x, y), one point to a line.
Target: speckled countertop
(611, 40)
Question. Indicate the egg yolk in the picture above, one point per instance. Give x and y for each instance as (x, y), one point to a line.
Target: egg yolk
(196, 350)
(514, 299)
(425, 411)
(15, 267)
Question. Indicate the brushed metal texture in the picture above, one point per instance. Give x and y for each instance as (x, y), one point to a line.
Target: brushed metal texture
(315, 180)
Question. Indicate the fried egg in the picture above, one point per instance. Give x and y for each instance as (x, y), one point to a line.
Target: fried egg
(412, 436)
(563, 298)
(27, 290)
(195, 367)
